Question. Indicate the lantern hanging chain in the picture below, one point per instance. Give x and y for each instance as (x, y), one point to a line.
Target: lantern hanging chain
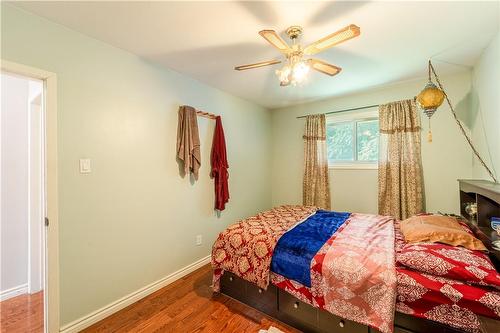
(459, 123)
(429, 70)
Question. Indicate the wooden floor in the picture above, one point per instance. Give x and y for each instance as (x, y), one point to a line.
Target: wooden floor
(188, 305)
(22, 314)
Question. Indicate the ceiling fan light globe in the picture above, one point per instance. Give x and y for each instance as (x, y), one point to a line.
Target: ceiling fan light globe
(284, 74)
(300, 71)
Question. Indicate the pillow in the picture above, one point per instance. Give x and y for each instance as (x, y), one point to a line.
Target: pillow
(437, 228)
(453, 262)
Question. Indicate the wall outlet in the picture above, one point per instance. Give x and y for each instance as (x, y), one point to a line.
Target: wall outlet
(199, 240)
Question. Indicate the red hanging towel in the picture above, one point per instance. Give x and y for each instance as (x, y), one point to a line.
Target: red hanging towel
(218, 160)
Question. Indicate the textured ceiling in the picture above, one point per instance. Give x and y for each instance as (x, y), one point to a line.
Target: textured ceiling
(205, 40)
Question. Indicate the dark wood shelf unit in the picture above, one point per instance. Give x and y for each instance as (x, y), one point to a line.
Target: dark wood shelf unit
(486, 195)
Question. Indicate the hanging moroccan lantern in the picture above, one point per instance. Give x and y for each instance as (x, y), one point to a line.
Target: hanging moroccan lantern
(429, 100)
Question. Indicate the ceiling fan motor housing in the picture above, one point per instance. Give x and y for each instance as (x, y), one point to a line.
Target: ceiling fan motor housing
(294, 31)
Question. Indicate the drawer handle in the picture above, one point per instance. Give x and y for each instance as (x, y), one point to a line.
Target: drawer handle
(296, 305)
(341, 323)
(260, 291)
(230, 278)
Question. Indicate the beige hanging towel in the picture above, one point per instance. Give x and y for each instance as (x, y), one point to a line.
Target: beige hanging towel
(188, 140)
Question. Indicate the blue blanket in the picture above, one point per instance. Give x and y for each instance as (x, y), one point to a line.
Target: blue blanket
(297, 247)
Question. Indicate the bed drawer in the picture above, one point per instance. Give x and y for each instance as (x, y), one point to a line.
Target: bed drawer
(406, 323)
(263, 300)
(233, 286)
(331, 323)
(401, 330)
(297, 313)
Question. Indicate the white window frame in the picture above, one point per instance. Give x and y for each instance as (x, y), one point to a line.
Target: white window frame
(369, 114)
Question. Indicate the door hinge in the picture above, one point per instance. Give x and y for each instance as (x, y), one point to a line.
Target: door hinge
(46, 221)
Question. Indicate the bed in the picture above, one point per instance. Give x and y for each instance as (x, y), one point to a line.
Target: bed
(361, 289)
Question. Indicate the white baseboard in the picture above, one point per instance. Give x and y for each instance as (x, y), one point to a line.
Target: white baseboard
(105, 311)
(13, 292)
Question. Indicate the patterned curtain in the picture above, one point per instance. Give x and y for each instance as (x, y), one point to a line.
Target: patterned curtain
(400, 183)
(316, 188)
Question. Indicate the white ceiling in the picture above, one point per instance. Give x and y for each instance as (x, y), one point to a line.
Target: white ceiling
(205, 40)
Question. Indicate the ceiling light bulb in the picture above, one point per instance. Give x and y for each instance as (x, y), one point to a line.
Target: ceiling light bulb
(284, 74)
(300, 71)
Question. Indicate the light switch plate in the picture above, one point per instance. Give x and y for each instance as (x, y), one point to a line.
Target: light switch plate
(85, 165)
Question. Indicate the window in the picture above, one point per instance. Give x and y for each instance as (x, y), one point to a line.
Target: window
(352, 142)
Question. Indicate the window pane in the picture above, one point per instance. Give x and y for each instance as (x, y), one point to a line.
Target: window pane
(340, 141)
(367, 140)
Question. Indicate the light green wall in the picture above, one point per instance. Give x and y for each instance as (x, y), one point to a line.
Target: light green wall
(444, 160)
(133, 220)
(486, 106)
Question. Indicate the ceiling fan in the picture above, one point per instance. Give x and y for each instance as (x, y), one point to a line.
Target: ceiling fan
(297, 67)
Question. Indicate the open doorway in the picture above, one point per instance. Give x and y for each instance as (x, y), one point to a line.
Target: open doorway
(49, 297)
(22, 202)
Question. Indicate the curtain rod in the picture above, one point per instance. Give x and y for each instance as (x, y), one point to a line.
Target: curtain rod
(345, 110)
(353, 109)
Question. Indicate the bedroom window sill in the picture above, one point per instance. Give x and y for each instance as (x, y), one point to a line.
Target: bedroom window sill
(354, 166)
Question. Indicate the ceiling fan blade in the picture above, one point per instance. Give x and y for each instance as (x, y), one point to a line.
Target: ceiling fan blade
(275, 40)
(257, 65)
(338, 37)
(324, 67)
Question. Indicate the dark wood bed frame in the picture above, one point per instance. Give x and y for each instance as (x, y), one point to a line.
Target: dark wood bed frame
(290, 310)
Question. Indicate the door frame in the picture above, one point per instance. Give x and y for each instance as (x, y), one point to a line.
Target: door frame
(51, 266)
(36, 189)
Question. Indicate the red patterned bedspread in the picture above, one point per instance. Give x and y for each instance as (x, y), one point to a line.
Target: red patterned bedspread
(444, 300)
(363, 247)
(421, 295)
(246, 248)
(353, 274)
